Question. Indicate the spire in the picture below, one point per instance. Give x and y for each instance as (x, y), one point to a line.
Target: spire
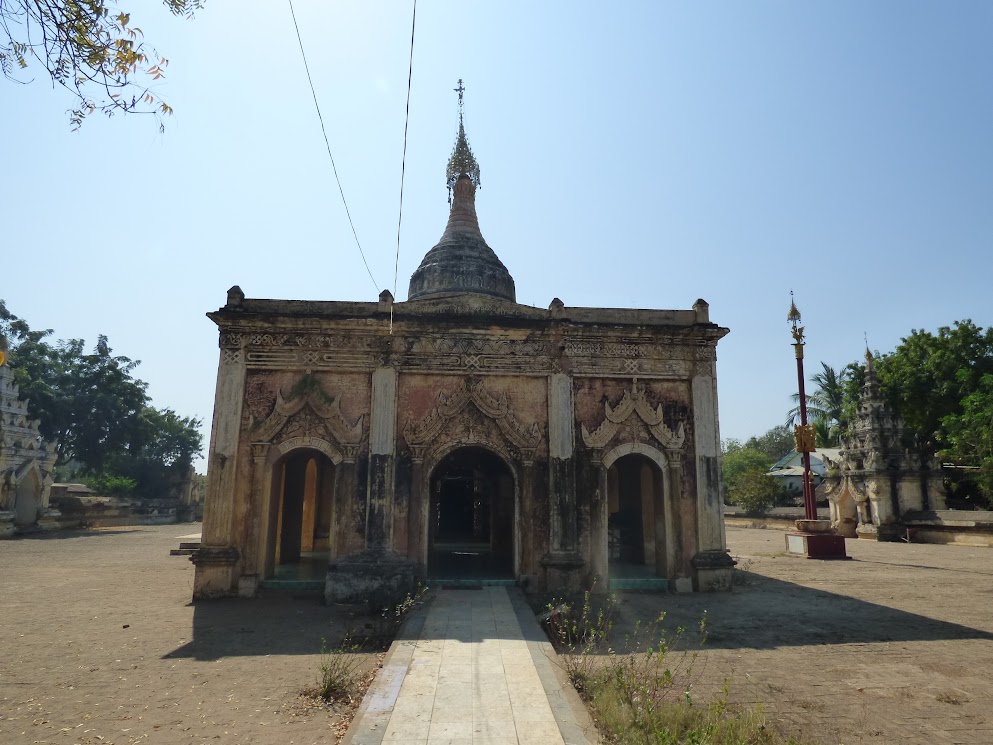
(871, 394)
(461, 262)
(462, 162)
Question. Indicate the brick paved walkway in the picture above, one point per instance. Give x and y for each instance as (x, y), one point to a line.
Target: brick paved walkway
(477, 671)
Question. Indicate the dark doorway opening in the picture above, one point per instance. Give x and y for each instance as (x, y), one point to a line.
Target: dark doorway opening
(471, 528)
(300, 519)
(635, 523)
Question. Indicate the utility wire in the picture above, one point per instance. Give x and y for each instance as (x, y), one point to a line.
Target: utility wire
(403, 164)
(326, 142)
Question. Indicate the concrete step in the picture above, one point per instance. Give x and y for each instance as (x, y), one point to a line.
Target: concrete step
(464, 582)
(296, 585)
(650, 584)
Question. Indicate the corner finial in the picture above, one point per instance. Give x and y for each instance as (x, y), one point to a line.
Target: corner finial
(462, 162)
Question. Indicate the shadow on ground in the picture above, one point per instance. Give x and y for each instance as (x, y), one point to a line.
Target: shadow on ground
(60, 535)
(280, 623)
(762, 613)
(767, 613)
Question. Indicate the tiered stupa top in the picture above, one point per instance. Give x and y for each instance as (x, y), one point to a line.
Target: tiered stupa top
(461, 262)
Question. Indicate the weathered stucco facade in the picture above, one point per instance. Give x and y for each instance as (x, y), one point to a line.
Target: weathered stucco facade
(462, 434)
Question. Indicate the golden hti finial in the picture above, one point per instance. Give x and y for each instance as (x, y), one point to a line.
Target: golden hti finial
(463, 162)
(794, 318)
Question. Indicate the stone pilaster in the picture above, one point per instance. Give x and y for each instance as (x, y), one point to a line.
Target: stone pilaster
(563, 560)
(253, 568)
(376, 573)
(599, 552)
(216, 558)
(711, 563)
(382, 459)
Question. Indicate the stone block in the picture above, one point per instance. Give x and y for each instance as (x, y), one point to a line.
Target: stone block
(379, 577)
(248, 585)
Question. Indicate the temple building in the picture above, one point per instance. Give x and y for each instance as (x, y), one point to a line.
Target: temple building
(461, 436)
(26, 463)
(877, 482)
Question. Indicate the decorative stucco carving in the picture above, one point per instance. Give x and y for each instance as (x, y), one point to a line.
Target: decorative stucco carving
(634, 402)
(26, 459)
(312, 415)
(421, 435)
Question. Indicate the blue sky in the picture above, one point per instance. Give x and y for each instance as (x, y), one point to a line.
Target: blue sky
(638, 157)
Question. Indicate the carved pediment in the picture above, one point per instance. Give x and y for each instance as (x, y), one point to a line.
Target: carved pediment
(623, 416)
(311, 414)
(460, 405)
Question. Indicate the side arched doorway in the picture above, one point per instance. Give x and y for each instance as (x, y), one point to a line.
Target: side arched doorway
(300, 515)
(471, 516)
(637, 540)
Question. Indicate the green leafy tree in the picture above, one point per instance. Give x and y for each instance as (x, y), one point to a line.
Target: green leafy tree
(89, 47)
(738, 460)
(775, 443)
(97, 411)
(928, 376)
(969, 435)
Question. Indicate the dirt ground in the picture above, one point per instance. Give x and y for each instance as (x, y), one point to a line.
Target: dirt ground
(894, 646)
(100, 644)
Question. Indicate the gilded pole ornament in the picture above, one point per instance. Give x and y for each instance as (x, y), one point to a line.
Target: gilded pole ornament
(462, 162)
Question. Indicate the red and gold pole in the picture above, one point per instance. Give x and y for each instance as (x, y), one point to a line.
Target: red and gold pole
(804, 434)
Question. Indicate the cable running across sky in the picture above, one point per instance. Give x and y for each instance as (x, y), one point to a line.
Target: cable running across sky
(326, 142)
(403, 164)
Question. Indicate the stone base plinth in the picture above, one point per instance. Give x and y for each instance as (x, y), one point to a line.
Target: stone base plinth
(377, 577)
(6, 524)
(886, 533)
(813, 526)
(847, 527)
(214, 571)
(816, 545)
(563, 572)
(713, 570)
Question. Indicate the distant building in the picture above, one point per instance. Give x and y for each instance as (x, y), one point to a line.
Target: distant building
(789, 469)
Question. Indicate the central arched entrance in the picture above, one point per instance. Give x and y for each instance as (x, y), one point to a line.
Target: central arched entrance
(471, 523)
(298, 545)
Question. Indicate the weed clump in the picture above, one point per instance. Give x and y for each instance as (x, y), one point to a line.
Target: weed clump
(646, 696)
(338, 670)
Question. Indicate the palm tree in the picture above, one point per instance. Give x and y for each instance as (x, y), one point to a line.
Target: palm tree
(825, 405)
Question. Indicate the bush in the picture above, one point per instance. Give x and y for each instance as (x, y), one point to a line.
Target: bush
(755, 491)
(109, 485)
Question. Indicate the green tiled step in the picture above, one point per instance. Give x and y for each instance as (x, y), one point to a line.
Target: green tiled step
(297, 585)
(654, 584)
(463, 582)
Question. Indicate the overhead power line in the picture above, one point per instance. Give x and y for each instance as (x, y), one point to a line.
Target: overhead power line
(403, 163)
(328, 144)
